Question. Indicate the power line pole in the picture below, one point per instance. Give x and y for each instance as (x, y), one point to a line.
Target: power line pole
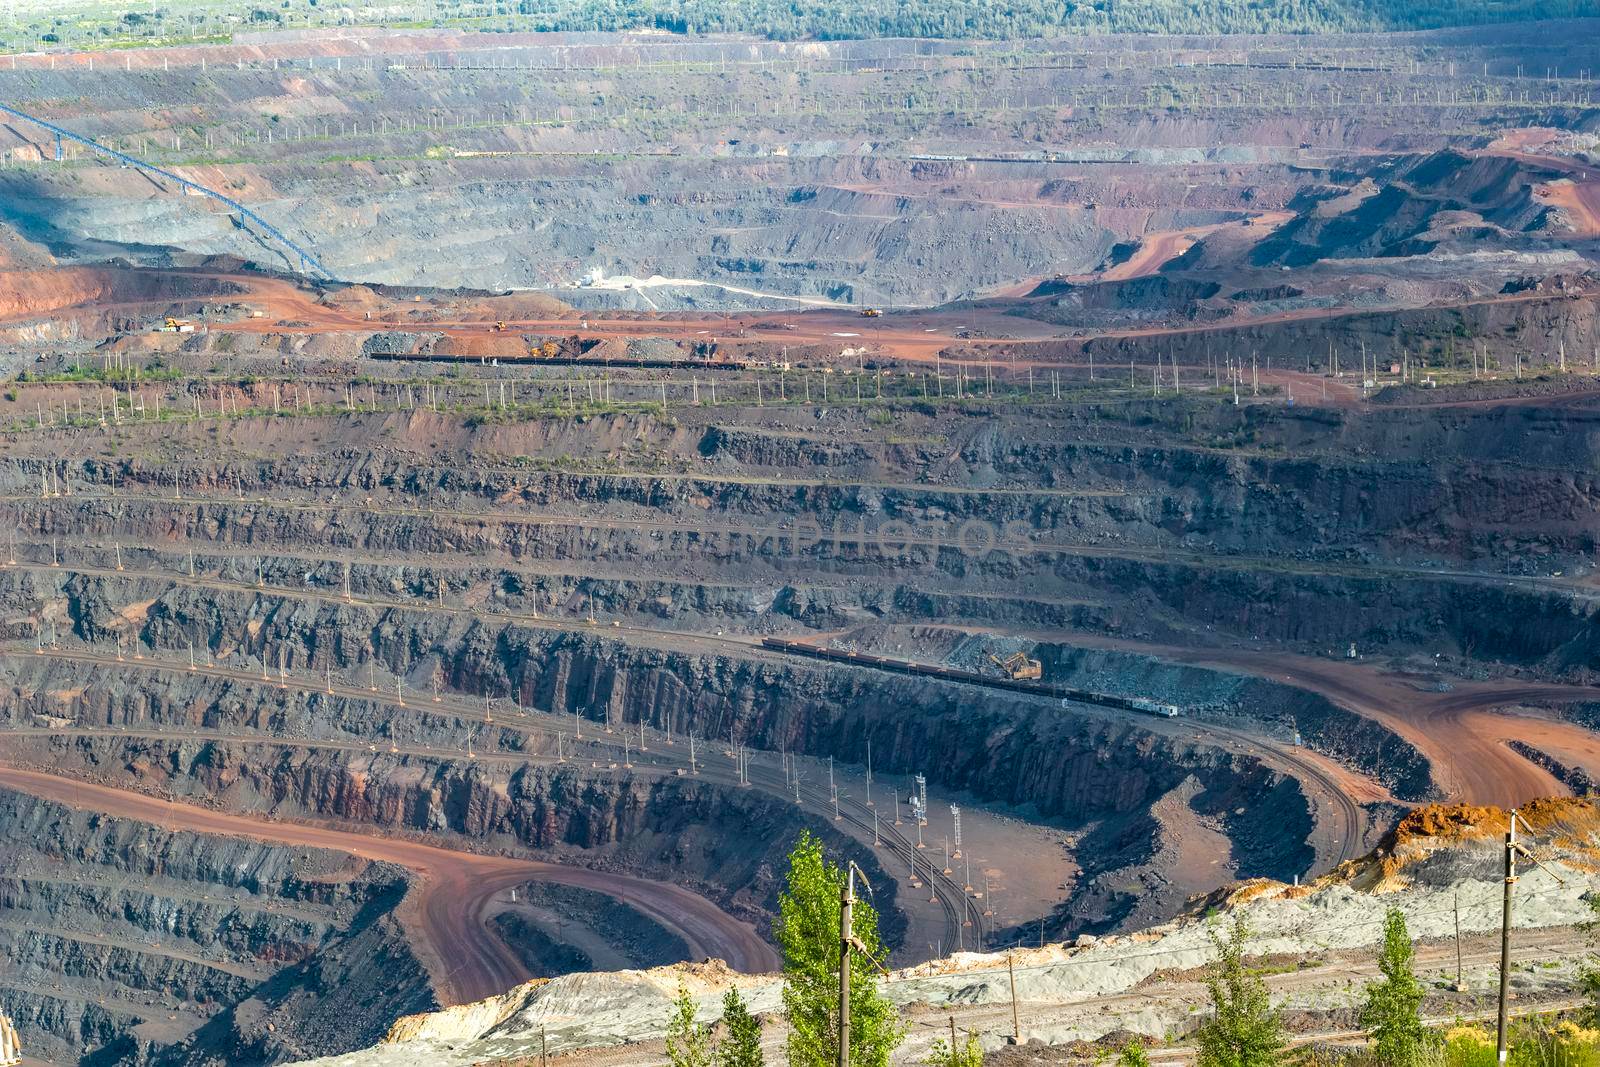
(1016, 1027)
(1505, 936)
(847, 941)
(1459, 987)
(847, 899)
(1512, 848)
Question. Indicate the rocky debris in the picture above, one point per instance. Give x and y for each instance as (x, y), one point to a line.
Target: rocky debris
(544, 912)
(474, 549)
(1555, 283)
(1398, 215)
(658, 826)
(340, 997)
(1100, 771)
(1574, 778)
(399, 343)
(541, 953)
(127, 941)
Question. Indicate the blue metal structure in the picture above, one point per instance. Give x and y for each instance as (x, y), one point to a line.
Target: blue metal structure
(308, 262)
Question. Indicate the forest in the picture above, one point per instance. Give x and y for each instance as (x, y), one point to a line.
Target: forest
(94, 24)
(824, 19)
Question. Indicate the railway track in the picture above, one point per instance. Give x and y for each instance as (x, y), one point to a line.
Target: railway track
(1347, 811)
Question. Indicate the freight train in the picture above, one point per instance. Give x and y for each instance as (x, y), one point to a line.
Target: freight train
(1066, 694)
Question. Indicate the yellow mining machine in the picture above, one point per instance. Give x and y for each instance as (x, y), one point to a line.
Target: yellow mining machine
(1020, 668)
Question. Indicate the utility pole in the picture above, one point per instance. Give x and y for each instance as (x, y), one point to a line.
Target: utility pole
(1505, 937)
(1460, 987)
(847, 899)
(869, 771)
(847, 941)
(1512, 848)
(1016, 1027)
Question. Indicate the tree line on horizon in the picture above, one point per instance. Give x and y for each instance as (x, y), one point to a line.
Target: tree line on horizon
(80, 23)
(982, 19)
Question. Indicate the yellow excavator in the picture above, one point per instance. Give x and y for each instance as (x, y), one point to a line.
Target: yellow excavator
(1020, 668)
(871, 313)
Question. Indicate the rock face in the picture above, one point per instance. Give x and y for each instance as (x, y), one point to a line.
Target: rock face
(1266, 521)
(1011, 750)
(1300, 526)
(1083, 769)
(126, 942)
(662, 827)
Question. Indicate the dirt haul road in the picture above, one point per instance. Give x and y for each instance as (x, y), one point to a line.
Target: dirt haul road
(1464, 732)
(445, 912)
(917, 335)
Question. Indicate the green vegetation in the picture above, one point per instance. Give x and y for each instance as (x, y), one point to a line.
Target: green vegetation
(967, 1054)
(1133, 1055)
(95, 25)
(784, 19)
(807, 932)
(688, 1041)
(154, 371)
(167, 394)
(1245, 1030)
(1589, 977)
(1537, 1042)
(741, 1044)
(1393, 1011)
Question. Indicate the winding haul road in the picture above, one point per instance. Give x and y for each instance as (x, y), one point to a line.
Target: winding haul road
(1464, 733)
(920, 335)
(956, 907)
(445, 911)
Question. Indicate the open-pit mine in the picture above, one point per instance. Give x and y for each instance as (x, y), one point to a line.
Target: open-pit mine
(473, 496)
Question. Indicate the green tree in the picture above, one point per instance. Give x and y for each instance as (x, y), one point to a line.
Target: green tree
(1244, 1030)
(1133, 1055)
(807, 932)
(688, 1042)
(1393, 1012)
(1589, 976)
(741, 1044)
(969, 1054)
